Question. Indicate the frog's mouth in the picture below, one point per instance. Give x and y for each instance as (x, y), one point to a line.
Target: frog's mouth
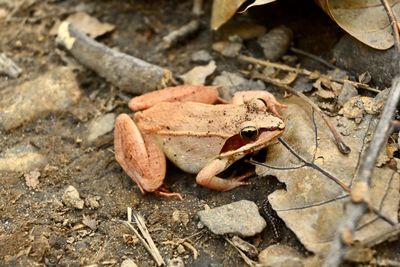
(239, 145)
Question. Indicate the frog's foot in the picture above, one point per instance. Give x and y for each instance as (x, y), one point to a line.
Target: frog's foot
(162, 191)
(207, 176)
(138, 155)
(181, 93)
(270, 101)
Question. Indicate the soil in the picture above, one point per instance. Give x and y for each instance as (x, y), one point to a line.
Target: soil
(36, 229)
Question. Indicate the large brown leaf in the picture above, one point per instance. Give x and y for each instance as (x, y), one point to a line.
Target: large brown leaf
(312, 204)
(365, 20)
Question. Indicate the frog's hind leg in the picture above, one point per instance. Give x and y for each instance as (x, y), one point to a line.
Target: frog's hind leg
(139, 155)
(207, 176)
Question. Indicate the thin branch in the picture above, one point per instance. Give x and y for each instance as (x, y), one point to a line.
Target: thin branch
(393, 23)
(305, 72)
(314, 57)
(356, 209)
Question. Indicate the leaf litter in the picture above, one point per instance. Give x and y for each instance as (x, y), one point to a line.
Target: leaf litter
(312, 204)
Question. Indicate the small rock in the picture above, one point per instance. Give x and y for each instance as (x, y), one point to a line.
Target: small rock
(280, 255)
(39, 247)
(92, 202)
(276, 42)
(201, 56)
(8, 67)
(180, 217)
(360, 255)
(227, 49)
(235, 82)
(100, 126)
(91, 223)
(22, 158)
(32, 179)
(348, 91)
(180, 249)
(53, 91)
(175, 262)
(71, 198)
(352, 55)
(128, 263)
(240, 218)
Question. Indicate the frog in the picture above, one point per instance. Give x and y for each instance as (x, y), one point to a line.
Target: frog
(197, 131)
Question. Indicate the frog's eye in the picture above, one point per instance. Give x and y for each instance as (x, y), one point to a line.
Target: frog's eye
(249, 132)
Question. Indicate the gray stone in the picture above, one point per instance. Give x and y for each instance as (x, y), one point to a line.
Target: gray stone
(235, 82)
(72, 199)
(352, 55)
(128, 263)
(348, 91)
(201, 56)
(22, 158)
(227, 49)
(53, 91)
(100, 126)
(239, 218)
(280, 256)
(175, 262)
(276, 42)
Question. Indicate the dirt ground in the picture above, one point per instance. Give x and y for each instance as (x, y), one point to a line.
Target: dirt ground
(36, 229)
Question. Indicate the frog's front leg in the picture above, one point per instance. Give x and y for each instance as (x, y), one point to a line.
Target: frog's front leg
(139, 156)
(207, 177)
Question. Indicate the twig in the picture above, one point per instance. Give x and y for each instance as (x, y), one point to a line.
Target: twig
(146, 238)
(124, 71)
(361, 188)
(180, 34)
(314, 57)
(305, 72)
(338, 138)
(246, 259)
(393, 23)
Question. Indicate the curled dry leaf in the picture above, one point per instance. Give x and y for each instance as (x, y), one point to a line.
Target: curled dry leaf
(312, 204)
(365, 20)
(223, 10)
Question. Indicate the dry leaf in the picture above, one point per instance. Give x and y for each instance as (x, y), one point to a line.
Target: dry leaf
(312, 204)
(198, 75)
(223, 10)
(86, 24)
(365, 20)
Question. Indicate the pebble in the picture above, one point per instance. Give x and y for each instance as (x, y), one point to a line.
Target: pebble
(227, 49)
(239, 218)
(175, 262)
(352, 55)
(53, 91)
(201, 56)
(100, 126)
(72, 199)
(179, 216)
(280, 255)
(276, 42)
(22, 158)
(180, 249)
(235, 82)
(128, 263)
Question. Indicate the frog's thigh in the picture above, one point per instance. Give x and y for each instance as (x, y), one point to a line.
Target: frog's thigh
(207, 176)
(138, 155)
